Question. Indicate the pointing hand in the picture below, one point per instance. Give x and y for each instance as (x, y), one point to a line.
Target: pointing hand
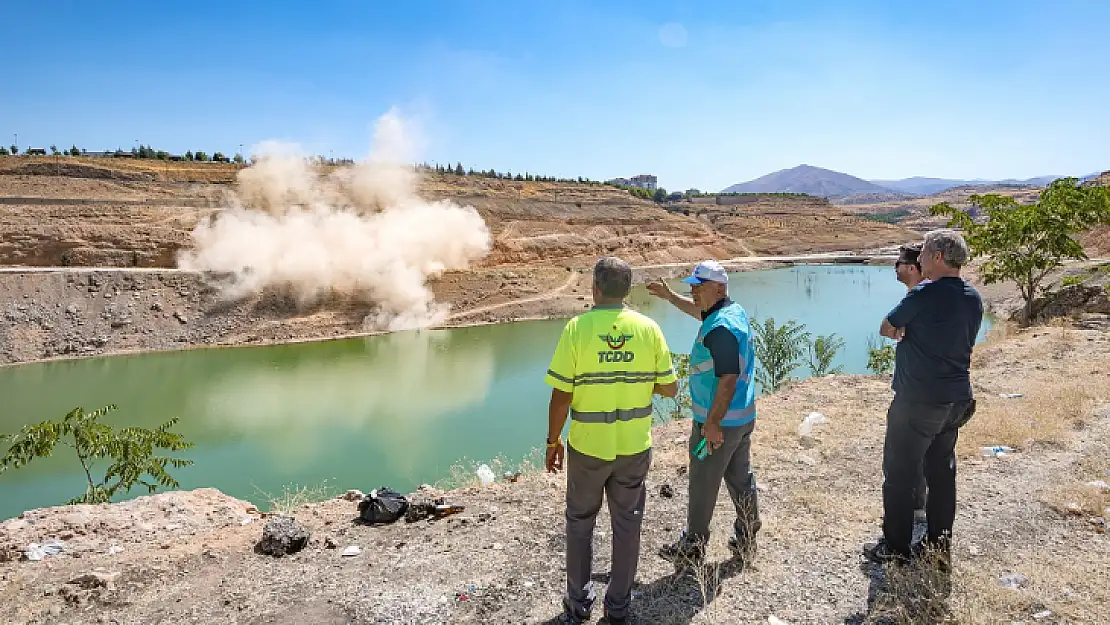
(658, 288)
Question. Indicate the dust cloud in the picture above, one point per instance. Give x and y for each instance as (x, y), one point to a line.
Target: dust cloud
(359, 231)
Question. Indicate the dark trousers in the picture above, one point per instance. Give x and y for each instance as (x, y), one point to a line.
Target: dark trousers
(731, 463)
(920, 434)
(622, 482)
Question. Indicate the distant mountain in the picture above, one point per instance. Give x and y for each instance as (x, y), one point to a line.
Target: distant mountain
(808, 179)
(919, 185)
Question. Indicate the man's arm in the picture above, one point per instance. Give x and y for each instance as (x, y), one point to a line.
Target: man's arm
(894, 324)
(891, 332)
(666, 383)
(726, 388)
(660, 289)
(557, 413)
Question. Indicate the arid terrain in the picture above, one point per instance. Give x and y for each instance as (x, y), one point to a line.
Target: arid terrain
(1031, 543)
(100, 214)
(1030, 534)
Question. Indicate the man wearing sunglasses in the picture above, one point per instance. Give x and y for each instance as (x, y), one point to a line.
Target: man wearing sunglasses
(722, 393)
(908, 271)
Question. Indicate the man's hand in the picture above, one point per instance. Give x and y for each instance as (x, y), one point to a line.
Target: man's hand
(555, 457)
(891, 332)
(659, 289)
(714, 437)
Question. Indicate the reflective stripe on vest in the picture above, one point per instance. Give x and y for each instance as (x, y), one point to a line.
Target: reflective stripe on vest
(611, 416)
(730, 414)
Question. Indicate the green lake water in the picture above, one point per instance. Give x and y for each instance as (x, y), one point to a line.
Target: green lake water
(396, 410)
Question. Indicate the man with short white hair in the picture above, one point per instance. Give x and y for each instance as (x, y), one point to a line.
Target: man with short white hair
(935, 325)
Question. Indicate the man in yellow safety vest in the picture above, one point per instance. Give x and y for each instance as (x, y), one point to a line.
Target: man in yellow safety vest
(607, 365)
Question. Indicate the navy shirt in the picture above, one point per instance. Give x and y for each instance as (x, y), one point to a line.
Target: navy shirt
(722, 344)
(933, 359)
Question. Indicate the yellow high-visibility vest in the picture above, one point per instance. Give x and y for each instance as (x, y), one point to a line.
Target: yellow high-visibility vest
(610, 359)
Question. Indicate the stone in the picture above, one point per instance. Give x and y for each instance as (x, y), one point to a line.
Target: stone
(156, 306)
(353, 550)
(282, 536)
(180, 317)
(666, 491)
(96, 579)
(354, 495)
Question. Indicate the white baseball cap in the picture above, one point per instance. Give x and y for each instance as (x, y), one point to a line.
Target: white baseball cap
(708, 271)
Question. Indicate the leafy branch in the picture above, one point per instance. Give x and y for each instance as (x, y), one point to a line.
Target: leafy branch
(131, 451)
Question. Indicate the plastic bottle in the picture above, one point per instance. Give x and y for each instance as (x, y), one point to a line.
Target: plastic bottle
(485, 475)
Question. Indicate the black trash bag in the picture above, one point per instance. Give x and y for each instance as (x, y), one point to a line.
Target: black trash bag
(383, 505)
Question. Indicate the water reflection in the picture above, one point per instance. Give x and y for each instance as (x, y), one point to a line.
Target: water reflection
(392, 389)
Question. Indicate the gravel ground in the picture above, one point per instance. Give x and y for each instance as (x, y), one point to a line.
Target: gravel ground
(1026, 518)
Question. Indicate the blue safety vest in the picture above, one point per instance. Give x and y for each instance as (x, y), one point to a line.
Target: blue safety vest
(703, 380)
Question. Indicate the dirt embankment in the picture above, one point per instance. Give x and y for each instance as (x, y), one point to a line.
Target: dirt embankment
(1029, 532)
(542, 233)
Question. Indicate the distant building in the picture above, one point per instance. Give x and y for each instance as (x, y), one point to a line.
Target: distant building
(643, 181)
(35, 152)
(692, 192)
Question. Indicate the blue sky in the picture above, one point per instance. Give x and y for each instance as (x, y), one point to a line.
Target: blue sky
(702, 94)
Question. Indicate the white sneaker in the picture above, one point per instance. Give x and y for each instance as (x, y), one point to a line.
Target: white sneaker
(919, 515)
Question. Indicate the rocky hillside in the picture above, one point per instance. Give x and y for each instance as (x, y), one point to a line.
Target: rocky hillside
(130, 219)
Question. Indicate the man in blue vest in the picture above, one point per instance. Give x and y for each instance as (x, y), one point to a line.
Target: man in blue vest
(722, 391)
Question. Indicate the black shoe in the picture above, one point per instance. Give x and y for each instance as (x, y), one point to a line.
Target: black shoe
(571, 616)
(609, 619)
(881, 553)
(684, 550)
(742, 548)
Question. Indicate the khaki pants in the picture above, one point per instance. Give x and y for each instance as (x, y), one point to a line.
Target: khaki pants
(622, 482)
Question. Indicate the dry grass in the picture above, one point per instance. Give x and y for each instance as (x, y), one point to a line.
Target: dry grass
(464, 473)
(1072, 589)
(1047, 414)
(293, 496)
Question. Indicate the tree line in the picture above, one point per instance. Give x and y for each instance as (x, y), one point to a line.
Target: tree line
(458, 170)
(142, 151)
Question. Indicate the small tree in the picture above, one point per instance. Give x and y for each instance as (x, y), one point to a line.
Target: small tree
(54, 150)
(189, 155)
(238, 158)
(73, 151)
(4, 151)
(131, 451)
(219, 157)
(822, 352)
(880, 356)
(778, 351)
(459, 171)
(14, 149)
(660, 195)
(200, 156)
(1024, 243)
